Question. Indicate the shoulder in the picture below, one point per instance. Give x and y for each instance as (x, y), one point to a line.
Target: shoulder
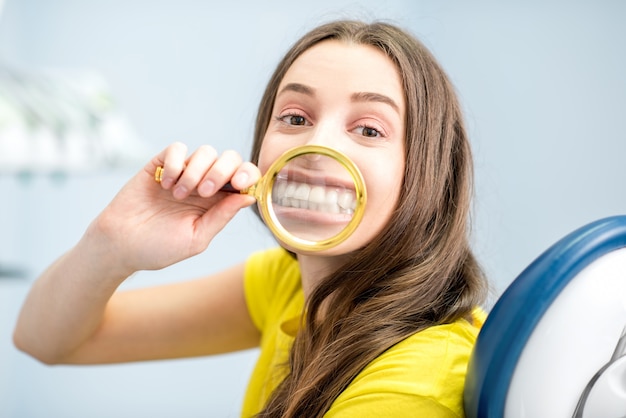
(273, 269)
(424, 374)
(266, 261)
(271, 279)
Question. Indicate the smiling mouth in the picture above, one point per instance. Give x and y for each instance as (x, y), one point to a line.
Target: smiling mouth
(320, 198)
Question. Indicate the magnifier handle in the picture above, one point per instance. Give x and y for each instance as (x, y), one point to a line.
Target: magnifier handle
(229, 188)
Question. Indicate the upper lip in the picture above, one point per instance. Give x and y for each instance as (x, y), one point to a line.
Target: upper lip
(315, 179)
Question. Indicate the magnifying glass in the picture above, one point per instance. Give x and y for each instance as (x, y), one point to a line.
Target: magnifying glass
(311, 198)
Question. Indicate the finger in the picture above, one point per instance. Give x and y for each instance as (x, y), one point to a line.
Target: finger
(222, 212)
(220, 173)
(173, 162)
(246, 176)
(196, 167)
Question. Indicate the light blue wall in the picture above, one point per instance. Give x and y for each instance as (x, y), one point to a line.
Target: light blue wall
(545, 96)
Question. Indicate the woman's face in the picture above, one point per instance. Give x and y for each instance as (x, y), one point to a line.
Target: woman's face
(348, 97)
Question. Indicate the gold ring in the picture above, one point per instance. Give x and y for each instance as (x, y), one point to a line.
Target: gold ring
(158, 174)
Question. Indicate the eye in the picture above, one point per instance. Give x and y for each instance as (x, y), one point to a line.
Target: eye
(293, 119)
(369, 132)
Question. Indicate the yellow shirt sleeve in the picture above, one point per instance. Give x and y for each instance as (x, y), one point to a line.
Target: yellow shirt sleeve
(392, 406)
(274, 297)
(272, 278)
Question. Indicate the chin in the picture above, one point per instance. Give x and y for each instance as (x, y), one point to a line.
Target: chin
(341, 250)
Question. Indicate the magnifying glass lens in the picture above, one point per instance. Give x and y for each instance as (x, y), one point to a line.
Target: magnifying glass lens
(314, 197)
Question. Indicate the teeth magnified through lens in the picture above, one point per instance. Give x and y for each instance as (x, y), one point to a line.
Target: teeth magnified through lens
(314, 198)
(326, 199)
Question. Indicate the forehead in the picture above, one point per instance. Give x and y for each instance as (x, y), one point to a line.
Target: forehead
(340, 66)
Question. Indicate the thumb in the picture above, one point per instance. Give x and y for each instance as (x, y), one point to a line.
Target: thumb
(216, 218)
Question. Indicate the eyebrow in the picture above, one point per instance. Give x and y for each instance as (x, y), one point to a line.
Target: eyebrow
(374, 97)
(298, 88)
(355, 97)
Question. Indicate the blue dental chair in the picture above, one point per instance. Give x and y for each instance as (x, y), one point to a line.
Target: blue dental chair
(554, 344)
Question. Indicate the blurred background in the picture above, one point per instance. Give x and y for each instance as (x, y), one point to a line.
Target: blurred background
(90, 89)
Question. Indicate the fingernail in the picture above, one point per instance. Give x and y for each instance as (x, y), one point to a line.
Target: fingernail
(241, 178)
(180, 192)
(167, 182)
(207, 188)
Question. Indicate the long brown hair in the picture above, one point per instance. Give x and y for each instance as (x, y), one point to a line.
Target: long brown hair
(419, 271)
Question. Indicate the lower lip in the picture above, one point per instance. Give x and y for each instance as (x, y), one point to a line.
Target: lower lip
(312, 217)
(310, 225)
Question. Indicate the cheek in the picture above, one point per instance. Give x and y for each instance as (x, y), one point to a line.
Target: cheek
(384, 178)
(266, 158)
(383, 195)
(381, 202)
(271, 150)
(263, 163)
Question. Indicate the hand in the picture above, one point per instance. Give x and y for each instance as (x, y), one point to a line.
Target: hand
(150, 225)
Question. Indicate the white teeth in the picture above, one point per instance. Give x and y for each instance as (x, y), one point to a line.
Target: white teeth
(330, 201)
(345, 201)
(331, 197)
(290, 190)
(317, 194)
(278, 189)
(318, 198)
(302, 192)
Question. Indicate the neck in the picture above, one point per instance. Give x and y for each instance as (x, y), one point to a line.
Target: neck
(314, 269)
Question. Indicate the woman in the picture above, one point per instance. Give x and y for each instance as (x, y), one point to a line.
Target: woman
(381, 325)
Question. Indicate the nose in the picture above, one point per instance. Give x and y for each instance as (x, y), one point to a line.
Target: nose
(327, 134)
(312, 158)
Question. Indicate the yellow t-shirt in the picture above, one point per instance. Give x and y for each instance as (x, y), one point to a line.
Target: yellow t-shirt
(421, 376)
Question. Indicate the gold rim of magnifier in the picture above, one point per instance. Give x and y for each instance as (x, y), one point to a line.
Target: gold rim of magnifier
(263, 194)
